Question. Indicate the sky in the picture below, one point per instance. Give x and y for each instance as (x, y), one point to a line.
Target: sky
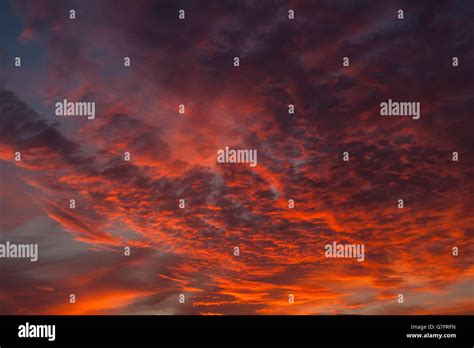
(191, 250)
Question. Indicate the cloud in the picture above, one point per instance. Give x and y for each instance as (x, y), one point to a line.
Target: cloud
(173, 157)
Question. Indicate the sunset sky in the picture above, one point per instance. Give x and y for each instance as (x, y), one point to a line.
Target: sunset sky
(190, 251)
